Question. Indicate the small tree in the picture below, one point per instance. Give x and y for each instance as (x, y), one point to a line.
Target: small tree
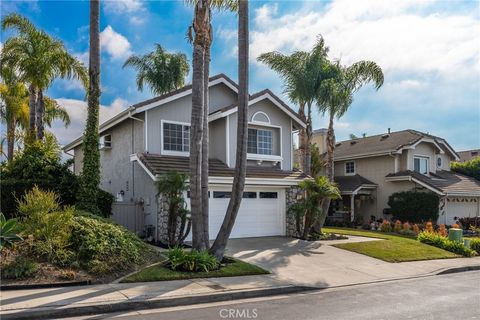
(172, 185)
(309, 209)
(414, 206)
(469, 168)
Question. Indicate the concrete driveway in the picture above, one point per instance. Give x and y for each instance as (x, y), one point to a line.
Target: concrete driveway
(321, 265)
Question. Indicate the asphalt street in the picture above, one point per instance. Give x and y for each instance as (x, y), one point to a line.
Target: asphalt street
(453, 296)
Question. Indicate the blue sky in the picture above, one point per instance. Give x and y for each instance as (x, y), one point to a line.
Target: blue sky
(429, 51)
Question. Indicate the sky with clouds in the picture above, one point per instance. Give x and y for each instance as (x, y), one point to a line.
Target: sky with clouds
(429, 51)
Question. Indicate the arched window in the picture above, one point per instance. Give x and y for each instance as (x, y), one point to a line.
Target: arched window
(260, 116)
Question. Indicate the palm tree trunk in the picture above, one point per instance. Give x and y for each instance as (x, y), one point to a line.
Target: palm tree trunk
(200, 27)
(90, 179)
(329, 173)
(308, 142)
(205, 146)
(218, 248)
(40, 111)
(10, 138)
(32, 96)
(302, 138)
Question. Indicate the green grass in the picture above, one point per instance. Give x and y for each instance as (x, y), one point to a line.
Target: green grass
(159, 272)
(394, 248)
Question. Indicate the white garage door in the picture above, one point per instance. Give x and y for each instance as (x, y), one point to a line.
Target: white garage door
(460, 208)
(262, 212)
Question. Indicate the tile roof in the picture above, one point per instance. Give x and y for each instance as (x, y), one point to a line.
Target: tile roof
(382, 143)
(445, 182)
(468, 154)
(158, 164)
(351, 183)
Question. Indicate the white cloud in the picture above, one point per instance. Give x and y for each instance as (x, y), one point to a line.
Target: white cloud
(123, 6)
(77, 110)
(116, 45)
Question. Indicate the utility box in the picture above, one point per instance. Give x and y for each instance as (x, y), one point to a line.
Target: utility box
(455, 234)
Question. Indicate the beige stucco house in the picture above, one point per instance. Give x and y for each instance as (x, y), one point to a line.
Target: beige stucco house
(368, 170)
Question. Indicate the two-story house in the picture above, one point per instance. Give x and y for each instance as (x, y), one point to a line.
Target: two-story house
(368, 170)
(153, 137)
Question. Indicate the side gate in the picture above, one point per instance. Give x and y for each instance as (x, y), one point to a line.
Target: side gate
(130, 215)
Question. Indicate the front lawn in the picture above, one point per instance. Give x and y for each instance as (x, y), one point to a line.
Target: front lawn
(159, 272)
(394, 248)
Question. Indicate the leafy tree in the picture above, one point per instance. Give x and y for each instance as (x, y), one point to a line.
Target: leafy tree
(309, 209)
(469, 168)
(317, 161)
(172, 185)
(220, 244)
(90, 177)
(38, 59)
(160, 70)
(413, 206)
(303, 73)
(335, 96)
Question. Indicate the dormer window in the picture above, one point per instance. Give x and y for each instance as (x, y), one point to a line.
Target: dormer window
(420, 165)
(350, 168)
(260, 141)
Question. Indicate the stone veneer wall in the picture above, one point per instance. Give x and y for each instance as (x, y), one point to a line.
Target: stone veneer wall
(162, 219)
(291, 196)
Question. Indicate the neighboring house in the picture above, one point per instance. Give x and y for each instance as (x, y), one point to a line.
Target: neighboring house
(153, 137)
(468, 155)
(368, 170)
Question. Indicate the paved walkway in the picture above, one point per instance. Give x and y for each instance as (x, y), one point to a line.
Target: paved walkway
(293, 263)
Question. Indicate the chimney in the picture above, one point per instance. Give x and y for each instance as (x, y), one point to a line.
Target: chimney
(388, 130)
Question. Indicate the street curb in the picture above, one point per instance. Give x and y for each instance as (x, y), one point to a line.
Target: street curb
(45, 285)
(459, 269)
(152, 304)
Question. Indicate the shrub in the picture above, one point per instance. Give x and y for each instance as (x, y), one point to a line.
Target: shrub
(104, 202)
(102, 246)
(385, 226)
(414, 206)
(437, 240)
(469, 222)
(406, 226)
(20, 268)
(8, 232)
(455, 226)
(50, 226)
(470, 168)
(416, 229)
(193, 261)
(429, 227)
(475, 244)
(442, 230)
(397, 227)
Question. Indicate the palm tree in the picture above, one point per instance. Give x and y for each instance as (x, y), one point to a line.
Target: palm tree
(161, 70)
(90, 178)
(218, 248)
(38, 60)
(334, 98)
(200, 34)
(303, 73)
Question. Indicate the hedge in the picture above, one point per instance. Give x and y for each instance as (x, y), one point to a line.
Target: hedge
(413, 206)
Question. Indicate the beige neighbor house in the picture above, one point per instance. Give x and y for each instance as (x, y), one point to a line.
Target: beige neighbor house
(152, 137)
(368, 170)
(468, 155)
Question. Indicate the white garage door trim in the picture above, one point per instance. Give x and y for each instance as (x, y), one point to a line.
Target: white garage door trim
(257, 217)
(455, 207)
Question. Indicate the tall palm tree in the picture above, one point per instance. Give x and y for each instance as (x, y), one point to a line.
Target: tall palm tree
(218, 248)
(335, 97)
(161, 70)
(38, 60)
(303, 73)
(201, 35)
(90, 178)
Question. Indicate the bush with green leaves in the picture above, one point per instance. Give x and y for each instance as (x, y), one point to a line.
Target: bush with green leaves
(49, 224)
(191, 261)
(437, 240)
(413, 206)
(475, 244)
(469, 168)
(20, 268)
(9, 230)
(102, 246)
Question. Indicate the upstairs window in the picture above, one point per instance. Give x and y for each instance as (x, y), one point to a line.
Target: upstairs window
(105, 142)
(176, 137)
(350, 167)
(260, 141)
(420, 165)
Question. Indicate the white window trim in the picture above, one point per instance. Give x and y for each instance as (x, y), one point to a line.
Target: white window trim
(354, 168)
(169, 152)
(261, 122)
(254, 156)
(421, 156)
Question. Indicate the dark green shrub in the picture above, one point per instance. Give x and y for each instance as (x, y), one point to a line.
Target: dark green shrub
(439, 241)
(192, 261)
(103, 247)
(414, 206)
(20, 268)
(475, 244)
(104, 202)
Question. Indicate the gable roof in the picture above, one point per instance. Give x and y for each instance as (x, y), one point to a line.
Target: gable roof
(441, 182)
(351, 184)
(181, 92)
(387, 143)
